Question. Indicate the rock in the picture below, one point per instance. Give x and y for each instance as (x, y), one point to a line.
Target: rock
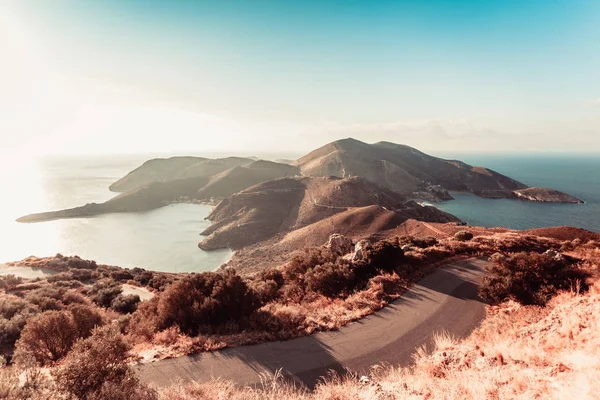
(554, 254)
(339, 244)
(360, 250)
(406, 247)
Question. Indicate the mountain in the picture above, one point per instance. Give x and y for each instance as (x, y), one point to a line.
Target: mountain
(413, 173)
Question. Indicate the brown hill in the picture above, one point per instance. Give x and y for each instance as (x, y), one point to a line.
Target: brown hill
(174, 168)
(239, 178)
(285, 205)
(413, 173)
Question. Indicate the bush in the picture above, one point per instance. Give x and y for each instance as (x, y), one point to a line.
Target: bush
(385, 255)
(266, 284)
(125, 304)
(144, 322)
(206, 299)
(97, 368)
(14, 314)
(49, 336)
(301, 263)
(82, 275)
(121, 275)
(463, 236)
(529, 278)
(103, 293)
(47, 297)
(331, 279)
(8, 282)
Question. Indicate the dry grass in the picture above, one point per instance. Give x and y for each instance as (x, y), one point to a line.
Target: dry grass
(520, 352)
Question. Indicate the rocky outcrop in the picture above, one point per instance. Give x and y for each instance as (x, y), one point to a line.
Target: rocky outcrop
(339, 244)
(546, 195)
(360, 251)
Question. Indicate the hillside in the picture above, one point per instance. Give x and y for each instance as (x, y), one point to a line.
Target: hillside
(413, 173)
(306, 207)
(175, 168)
(239, 178)
(369, 222)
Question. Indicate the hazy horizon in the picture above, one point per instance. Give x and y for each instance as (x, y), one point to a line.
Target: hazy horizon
(199, 77)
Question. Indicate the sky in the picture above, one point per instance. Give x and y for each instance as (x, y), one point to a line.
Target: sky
(261, 76)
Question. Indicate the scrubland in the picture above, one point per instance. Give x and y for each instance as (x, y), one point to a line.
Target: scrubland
(539, 339)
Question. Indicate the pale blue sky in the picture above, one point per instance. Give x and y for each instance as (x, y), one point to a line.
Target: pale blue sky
(114, 75)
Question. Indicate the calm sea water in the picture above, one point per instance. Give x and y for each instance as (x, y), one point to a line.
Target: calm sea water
(166, 239)
(576, 175)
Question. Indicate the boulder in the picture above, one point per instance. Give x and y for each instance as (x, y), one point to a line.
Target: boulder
(555, 254)
(339, 244)
(360, 250)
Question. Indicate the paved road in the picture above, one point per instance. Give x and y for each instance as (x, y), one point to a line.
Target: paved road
(446, 300)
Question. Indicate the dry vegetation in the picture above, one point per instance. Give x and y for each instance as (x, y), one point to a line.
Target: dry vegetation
(74, 337)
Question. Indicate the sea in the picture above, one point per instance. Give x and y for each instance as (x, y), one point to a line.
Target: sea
(167, 239)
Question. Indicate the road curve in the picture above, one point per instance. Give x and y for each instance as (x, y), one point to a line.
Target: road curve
(446, 300)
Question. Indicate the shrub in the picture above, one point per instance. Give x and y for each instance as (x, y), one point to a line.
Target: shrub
(529, 278)
(121, 275)
(97, 368)
(8, 282)
(78, 263)
(83, 275)
(331, 279)
(47, 297)
(103, 293)
(144, 322)
(85, 319)
(266, 285)
(385, 255)
(49, 336)
(125, 304)
(61, 276)
(463, 236)
(301, 263)
(14, 314)
(206, 299)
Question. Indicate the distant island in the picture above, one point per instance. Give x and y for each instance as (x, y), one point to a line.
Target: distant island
(273, 208)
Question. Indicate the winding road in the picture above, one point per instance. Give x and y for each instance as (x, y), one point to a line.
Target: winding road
(446, 300)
